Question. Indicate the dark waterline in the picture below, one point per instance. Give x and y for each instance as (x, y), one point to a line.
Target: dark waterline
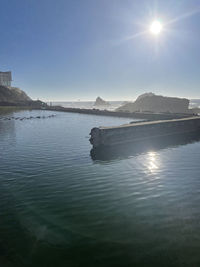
(63, 205)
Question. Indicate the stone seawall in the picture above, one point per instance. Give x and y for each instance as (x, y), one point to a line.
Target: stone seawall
(128, 133)
(135, 115)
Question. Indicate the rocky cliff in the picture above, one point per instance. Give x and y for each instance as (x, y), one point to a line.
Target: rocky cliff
(150, 102)
(12, 95)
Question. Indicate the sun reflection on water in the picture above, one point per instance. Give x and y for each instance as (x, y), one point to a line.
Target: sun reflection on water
(152, 162)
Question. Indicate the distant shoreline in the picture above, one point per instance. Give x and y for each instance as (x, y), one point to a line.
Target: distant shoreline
(135, 115)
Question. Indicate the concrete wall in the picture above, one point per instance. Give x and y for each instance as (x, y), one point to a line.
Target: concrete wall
(108, 136)
(135, 115)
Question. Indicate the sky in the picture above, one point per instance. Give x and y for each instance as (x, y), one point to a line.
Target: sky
(65, 50)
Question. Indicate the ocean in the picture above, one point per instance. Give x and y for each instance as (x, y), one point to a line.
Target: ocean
(63, 205)
(194, 103)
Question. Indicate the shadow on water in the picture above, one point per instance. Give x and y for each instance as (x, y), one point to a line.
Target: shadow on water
(142, 147)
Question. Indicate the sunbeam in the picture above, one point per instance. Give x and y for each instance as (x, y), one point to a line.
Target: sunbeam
(184, 16)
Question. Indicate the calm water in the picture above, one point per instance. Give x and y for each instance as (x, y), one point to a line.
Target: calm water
(61, 207)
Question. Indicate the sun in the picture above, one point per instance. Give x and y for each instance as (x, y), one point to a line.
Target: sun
(156, 27)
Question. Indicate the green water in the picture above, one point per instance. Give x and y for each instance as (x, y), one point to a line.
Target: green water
(60, 206)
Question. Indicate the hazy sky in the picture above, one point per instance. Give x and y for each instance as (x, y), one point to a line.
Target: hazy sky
(80, 49)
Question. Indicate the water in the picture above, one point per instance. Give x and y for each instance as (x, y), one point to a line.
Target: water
(60, 206)
(195, 103)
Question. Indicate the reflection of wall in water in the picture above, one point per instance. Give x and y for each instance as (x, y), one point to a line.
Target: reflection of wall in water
(135, 149)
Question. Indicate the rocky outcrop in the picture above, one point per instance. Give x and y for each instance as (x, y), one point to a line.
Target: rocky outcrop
(12, 95)
(101, 103)
(150, 102)
(195, 110)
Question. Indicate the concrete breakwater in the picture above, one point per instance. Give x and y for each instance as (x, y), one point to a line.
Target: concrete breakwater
(135, 115)
(129, 133)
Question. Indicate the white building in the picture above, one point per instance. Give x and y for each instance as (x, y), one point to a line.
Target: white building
(5, 78)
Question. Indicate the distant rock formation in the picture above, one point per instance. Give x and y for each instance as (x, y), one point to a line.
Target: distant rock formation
(12, 96)
(101, 103)
(150, 102)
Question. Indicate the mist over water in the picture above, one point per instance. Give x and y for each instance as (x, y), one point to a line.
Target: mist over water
(61, 205)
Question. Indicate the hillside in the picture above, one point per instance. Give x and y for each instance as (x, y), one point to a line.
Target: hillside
(12, 95)
(16, 97)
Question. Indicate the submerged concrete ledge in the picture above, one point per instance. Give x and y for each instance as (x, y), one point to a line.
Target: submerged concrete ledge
(133, 132)
(134, 115)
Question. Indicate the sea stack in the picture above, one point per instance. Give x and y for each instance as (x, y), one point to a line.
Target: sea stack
(101, 103)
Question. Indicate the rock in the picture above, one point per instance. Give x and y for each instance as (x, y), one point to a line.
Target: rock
(195, 110)
(12, 94)
(101, 103)
(152, 103)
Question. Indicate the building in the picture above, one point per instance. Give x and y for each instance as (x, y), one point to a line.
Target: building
(5, 78)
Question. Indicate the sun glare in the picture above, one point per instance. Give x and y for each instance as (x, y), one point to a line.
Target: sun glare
(156, 27)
